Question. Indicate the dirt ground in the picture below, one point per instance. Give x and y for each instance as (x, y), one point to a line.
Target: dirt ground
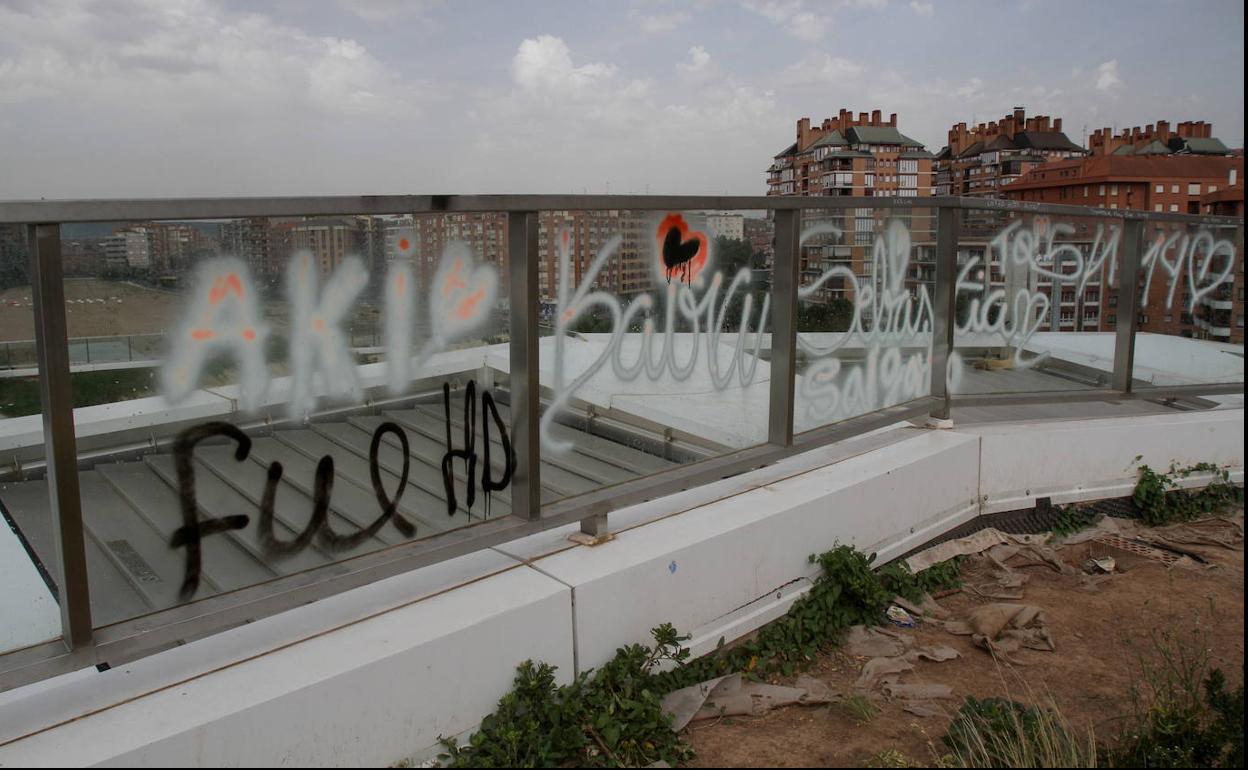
(1103, 636)
(93, 308)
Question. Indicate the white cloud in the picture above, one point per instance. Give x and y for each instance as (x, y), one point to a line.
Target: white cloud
(187, 54)
(699, 62)
(1107, 76)
(546, 63)
(792, 16)
(608, 126)
(660, 23)
(820, 68)
(384, 11)
(926, 10)
(187, 97)
(972, 89)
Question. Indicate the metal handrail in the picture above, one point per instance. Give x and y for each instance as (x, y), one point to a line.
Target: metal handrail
(182, 209)
(83, 644)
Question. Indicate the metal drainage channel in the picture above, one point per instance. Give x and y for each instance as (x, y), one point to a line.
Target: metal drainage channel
(1044, 516)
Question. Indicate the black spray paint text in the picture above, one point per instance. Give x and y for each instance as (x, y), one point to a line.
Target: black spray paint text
(195, 528)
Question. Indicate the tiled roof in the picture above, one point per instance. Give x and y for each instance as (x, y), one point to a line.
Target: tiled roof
(879, 135)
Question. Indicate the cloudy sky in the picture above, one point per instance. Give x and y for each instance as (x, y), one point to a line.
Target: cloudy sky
(155, 98)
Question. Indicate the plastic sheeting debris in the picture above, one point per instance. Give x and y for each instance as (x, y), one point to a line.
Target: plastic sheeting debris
(733, 695)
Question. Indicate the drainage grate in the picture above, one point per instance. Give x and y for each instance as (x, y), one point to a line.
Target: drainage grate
(1118, 507)
(1131, 546)
(1025, 521)
(1044, 516)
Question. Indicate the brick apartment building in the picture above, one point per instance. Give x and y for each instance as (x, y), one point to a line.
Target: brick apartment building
(1191, 137)
(761, 234)
(628, 272)
(979, 161)
(1189, 179)
(726, 225)
(852, 156)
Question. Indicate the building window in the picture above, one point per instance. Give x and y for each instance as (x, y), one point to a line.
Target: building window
(1085, 191)
(1174, 188)
(1102, 192)
(1113, 189)
(1161, 188)
(1157, 207)
(1174, 207)
(1193, 188)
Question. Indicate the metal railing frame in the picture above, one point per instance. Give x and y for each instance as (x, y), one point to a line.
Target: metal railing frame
(82, 644)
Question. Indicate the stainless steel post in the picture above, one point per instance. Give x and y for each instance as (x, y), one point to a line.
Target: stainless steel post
(785, 277)
(52, 350)
(944, 321)
(522, 256)
(1128, 304)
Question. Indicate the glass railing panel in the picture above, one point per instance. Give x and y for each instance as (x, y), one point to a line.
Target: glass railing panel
(654, 351)
(1190, 324)
(1034, 310)
(865, 311)
(29, 612)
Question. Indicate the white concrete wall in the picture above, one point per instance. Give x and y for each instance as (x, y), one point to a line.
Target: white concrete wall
(1091, 459)
(377, 674)
(703, 564)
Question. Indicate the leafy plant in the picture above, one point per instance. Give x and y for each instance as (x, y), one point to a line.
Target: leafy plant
(1161, 501)
(898, 578)
(1184, 716)
(1072, 519)
(610, 717)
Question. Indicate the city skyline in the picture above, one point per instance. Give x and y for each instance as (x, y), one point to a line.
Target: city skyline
(194, 97)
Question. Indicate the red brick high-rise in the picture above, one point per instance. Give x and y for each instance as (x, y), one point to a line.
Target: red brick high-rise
(980, 161)
(1173, 182)
(862, 156)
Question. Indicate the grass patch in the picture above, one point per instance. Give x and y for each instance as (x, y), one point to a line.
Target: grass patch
(858, 708)
(890, 758)
(19, 397)
(994, 732)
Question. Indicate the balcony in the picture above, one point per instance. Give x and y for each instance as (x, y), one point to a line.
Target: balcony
(1213, 328)
(1216, 303)
(409, 426)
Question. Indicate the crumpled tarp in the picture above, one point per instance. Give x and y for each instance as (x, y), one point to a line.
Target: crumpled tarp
(1221, 531)
(1005, 628)
(733, 695)
(893, 654)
